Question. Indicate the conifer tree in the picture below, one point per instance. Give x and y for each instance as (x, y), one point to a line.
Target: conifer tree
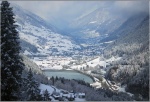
(11, 61)
(53, 80)
(46, 96)
(32, 88)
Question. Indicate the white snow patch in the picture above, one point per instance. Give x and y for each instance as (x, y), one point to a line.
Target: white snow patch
(109, 42)
(92, 63)
(27, 52)
(43, 87)
(80, 99)
(113, 59)
(96, 85)
(93, 21)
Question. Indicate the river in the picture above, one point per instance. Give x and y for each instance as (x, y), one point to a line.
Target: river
(68, 74)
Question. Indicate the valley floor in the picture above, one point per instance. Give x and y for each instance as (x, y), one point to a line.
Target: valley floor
(85, 67)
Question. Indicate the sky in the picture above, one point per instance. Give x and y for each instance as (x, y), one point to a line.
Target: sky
(66, 11)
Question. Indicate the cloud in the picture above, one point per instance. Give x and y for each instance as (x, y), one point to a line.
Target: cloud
(132, 6)
(60, 11)
(57, 8)
(63, 12)
(41, 8)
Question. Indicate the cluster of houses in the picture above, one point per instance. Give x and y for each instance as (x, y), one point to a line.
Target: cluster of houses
(52, 62)
(67, 96)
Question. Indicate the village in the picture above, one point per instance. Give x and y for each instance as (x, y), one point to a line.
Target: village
(62, 95)
(52, 62)
(65, 95)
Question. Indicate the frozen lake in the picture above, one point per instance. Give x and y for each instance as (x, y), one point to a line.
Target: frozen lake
(68, 74)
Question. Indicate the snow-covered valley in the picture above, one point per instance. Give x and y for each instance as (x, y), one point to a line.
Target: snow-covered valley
(97, 58)
(67, 63)
(99, 82)
(52, 49)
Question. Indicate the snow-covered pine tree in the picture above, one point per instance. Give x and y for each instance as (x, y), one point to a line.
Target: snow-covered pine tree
(53, 80)
(32, 88)
(46, 96)
(11, 61)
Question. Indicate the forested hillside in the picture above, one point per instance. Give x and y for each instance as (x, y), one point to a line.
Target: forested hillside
(133, 69)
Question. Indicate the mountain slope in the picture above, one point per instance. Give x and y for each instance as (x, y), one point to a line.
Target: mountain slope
(133, 47)
(98, 23)
(130, 37)
(128, 26)
(45, 38)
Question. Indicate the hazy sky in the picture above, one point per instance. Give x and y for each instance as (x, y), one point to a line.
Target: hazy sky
(66, 11)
